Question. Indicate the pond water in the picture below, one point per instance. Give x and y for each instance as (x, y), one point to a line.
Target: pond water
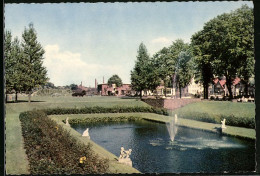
(191, 151)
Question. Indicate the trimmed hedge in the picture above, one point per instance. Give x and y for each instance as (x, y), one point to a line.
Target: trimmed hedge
(103, 119)
(98, 109)
(216, 118)
(52, 150)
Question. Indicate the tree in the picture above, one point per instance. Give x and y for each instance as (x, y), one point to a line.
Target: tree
(184, 70)
(33, 52)
(73, 86)
(139, 73)
(18, 68)
(227, 42)
(9, 62)
(203, 67)
(115, 79)
(168, 64)
(165, 64)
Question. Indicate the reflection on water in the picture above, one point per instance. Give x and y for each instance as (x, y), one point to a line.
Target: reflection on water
(191, 151)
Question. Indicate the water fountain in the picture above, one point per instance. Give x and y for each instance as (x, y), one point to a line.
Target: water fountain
(172, 127)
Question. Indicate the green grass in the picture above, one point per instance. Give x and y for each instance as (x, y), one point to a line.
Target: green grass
(210, 111)
(16, 159)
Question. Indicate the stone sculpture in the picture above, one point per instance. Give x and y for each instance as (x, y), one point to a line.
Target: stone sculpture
(67, 122)
(124, 156)
(86, 133)
(223, 126)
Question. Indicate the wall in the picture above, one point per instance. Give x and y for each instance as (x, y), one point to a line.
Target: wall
(170, 103)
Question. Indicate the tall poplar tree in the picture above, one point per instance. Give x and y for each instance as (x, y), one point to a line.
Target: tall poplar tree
(33, 52)
(9, 62)
(139, 73)
(18, 68)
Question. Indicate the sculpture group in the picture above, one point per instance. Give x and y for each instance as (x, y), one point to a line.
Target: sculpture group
(124, 156)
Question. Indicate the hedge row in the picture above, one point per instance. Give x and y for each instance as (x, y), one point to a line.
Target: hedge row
(103, 119)
(98, 109)
(216, 118)
(52, 150)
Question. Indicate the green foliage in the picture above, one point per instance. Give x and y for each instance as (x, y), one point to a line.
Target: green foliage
(14, 68)
(99, 109)
(51, 149)
(23, 62)
(174, 64)
(115, 79)
(8, 61)
(35, 73)
(103, 119)
(143, 76)
(225, 47)
(184, 71)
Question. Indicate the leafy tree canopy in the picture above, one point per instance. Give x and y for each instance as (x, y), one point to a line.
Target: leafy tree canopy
(115, 79)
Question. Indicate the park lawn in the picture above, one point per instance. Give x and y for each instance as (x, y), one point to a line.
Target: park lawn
(216, 110)
(16, 159)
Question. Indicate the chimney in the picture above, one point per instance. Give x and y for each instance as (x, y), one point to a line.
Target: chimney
(95, 83)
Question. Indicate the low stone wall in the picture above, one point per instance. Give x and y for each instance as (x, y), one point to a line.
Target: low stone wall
(158, 103)
(170, 103)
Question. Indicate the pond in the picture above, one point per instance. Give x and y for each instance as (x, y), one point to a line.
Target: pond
(191, 151)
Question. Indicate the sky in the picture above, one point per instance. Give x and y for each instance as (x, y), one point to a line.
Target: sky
(88, 41)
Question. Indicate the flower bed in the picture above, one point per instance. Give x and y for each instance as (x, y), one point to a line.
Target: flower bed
(51, 149)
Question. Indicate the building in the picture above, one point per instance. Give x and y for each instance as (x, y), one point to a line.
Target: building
(219, 87)
(105, 89)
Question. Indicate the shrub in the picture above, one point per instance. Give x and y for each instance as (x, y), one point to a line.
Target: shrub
(103, 119)
(98, 109)
(51, 149)
(216, 118)
(212, 98)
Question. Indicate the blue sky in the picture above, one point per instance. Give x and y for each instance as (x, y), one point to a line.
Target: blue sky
(84, 41)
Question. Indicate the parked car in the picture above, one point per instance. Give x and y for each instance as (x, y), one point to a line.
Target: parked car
(79, 94)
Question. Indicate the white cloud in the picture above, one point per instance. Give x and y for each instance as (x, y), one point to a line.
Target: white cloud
(161, 40)
(65, 67)
(158, 43)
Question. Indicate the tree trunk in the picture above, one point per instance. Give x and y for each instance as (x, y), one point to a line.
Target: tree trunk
(165, 89)
(229, 83)
(141, 94)
(16, 96)
(246, 87)
(206, 91)
(6, 96)
(180, 90)
(29, 97)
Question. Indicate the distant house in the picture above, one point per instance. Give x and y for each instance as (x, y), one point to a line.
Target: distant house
(105, 89)
(192, 89)
(87, 90)
(219, 87)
